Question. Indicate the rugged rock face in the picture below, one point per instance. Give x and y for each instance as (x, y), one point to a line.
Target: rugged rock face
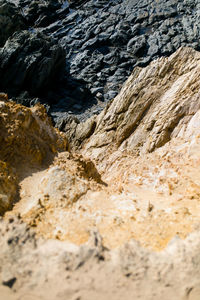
(11, 20)
(27, 135)
(30, 61)
(155, 105)
(110, 209)
(104, 42)
(140, 146)
(40, 13)
(135, 178)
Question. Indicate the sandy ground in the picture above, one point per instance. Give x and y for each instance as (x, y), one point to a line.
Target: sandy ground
(150, 199)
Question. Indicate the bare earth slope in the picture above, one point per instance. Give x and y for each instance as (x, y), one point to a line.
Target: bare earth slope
(118, 219)
(28, 142)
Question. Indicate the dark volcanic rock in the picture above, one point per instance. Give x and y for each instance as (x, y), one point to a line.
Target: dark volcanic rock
(104, 40)
(40, 13)
(76, 3)
(30, 61)
(10, 20)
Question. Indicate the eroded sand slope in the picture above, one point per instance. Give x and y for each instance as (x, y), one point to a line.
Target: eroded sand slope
(134, 178)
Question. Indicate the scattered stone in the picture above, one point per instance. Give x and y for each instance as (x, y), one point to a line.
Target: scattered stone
(150, 207)
(10, 282)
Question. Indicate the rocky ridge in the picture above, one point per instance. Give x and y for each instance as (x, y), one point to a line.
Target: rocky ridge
(155, 105)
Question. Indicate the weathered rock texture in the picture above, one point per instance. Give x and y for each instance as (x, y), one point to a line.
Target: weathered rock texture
(31, 62)
(134, 186)
(156, 104)
(140, 188)
(40, 13)
(11, 20)
(104, 42)
(27, 140)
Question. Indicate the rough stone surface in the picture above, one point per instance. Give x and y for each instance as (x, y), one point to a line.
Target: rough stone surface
(11, 20)
(153, 107)
(30, 61)
(120, 218)
(127, 185)
(40, 13)
(104, 42)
